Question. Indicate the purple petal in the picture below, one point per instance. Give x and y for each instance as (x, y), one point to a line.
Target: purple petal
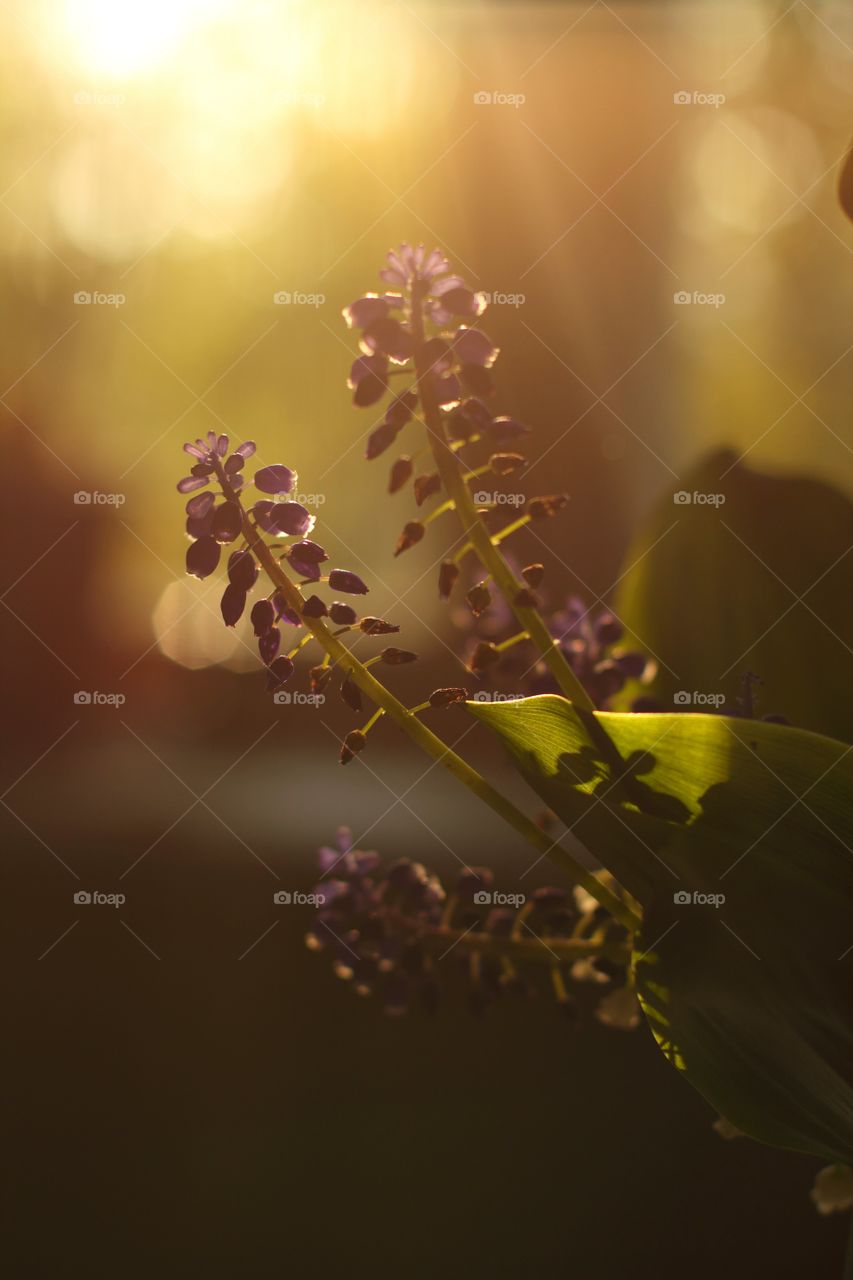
(189, 483)
(222, 446)
(365, 311)
(291, 519)
(448, 390)
(275, 479)
(262, 616)
(234, 464)
(308, 551)
(195, 450)
(472, 346)
(280, 669)
(263, 514)
(242, 569)
(227, 522)
(200, 526)
(268, 645)
(342, 614)
(246, 449)
(350, 583)
(203, 557)
(232, 604)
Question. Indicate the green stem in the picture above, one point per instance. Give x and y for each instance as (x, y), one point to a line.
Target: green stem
(422, 736)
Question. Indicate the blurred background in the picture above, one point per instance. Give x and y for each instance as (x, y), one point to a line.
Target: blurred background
(190, 191)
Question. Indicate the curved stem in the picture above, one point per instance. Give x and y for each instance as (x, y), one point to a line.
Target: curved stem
(415, 728)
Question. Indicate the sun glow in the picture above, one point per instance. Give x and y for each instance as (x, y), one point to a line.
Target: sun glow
(124, 37)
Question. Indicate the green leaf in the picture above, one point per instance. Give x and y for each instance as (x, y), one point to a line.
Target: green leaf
(751, 996)
(762, 582)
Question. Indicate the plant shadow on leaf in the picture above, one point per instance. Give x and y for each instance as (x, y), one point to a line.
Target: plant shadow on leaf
(734, 835)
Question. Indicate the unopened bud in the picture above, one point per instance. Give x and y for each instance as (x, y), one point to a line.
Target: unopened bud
(377, 627)
(533, 575)
(319, 677)
(504, 464)
(396, 657)
(412, 533)
(539, 508)
(314, 607)
(485, 655)
(353, 743)
(350, 693)
(400, 474)
(447, 575)
(478, 598)
(447, 697)
(425, 486)
(342, 614)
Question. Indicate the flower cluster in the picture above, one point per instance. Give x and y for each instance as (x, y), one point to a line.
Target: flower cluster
(395, 931)
(215, 520)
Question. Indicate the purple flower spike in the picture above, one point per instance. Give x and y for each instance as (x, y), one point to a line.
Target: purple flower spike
(227, 522)
(242, 570)
(262, 616)
(351, 583)
(200, 504)
(191, 482)
(203, 557)
(232, 604)
(275, 479)
(247, 449)
(269, 644)
(291, 519)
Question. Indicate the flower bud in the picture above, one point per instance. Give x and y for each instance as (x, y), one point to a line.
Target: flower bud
(314, 607)
(275, 479)
(533, 575)
(447, 575)
(319, 677)
(380, 439)
(353, 743)
(351, 693)
(396, 657)
(342, 614)
(203, 557)
(426, 486)
(279, 671)
(400, 474)
(479, 598)
(447, 697)
(485, 655)
(504, 464)
(269, 644)
(227, 522)
(540, 508)
(232, 604)
(412, 533)
(262, 616)
(377, 627)
(242, 569)
(344, 580)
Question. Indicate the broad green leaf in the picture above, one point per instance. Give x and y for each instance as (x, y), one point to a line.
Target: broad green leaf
(751, 996)
(761, 582)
